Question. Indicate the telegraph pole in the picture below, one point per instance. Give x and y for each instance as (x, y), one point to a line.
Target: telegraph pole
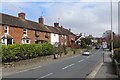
(111, 29)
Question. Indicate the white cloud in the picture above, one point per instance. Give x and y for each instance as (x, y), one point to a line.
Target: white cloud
(83, 18)
(58, 0)
(90, 18)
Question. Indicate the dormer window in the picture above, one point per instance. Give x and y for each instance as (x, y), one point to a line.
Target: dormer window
(6, 29)
(25, 32)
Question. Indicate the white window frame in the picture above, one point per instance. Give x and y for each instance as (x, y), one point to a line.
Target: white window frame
(3, 41)
(25, 30)
(62, 36)
(24, 41)
(6, 28)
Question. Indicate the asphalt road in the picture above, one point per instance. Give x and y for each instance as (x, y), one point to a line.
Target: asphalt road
(78, 66)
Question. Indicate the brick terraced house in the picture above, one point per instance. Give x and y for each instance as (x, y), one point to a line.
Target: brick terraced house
(19, 30)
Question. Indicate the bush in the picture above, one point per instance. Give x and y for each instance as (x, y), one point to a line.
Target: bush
(117, 54)
(47, 49)
(83, 44)
(18, 52)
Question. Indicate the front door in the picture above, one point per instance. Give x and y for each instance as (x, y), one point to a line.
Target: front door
(9, 41)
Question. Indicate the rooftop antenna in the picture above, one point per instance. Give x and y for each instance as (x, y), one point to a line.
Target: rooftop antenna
(41, 13)
(58, 20)
(21, 9)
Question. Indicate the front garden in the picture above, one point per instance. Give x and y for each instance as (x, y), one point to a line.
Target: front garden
(19, 52)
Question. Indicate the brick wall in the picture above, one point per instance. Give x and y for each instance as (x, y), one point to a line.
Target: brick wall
(17, 34)
(67, 40)
(31, 35)
(62, 40)
(42, 36)
(1, 30)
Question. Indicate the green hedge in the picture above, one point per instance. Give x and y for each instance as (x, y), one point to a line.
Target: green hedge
(18, 52)
(117, 54)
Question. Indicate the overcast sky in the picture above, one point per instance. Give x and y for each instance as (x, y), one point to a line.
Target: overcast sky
(82, 16)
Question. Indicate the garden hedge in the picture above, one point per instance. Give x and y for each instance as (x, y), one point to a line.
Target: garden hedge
(18, 52)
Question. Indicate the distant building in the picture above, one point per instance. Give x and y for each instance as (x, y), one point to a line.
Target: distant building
(106, 33)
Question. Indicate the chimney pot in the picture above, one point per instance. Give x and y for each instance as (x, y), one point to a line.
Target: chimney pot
(70, 30)
(21, 15)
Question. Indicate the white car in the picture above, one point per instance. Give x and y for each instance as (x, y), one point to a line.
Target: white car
(86, 53)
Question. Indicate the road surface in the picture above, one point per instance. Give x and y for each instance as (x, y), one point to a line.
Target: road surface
(78, 66)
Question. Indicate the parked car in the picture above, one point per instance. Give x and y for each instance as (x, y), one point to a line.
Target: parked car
(86, 52)
(97, 46)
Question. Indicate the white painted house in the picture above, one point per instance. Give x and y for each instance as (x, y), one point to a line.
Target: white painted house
(54, 38)
(54, 35)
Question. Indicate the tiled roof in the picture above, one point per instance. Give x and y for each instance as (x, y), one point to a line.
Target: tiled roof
(23, 23)
(65, 31)
(53, 29)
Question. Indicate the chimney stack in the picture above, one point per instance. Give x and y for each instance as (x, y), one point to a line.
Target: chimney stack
(70, 30)
(41, 20)
(56, 24)
(21, 15)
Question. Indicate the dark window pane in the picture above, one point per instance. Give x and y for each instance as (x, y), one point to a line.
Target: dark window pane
(27, 41)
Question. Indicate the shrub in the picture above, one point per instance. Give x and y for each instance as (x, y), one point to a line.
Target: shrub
(83, 44)
(47, 49)
(25, 51)
(117, 54)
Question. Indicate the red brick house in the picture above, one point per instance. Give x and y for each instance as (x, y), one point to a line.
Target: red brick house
(17, 30)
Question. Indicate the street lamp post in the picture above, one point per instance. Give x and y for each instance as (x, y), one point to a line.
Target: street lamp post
(111, 30)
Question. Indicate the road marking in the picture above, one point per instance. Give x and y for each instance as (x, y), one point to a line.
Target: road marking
(45, 76)
(81, 60)
(88, 56)
(30, 69)
(75, 56)
(95, 70)
(68, 66)
(92, 55)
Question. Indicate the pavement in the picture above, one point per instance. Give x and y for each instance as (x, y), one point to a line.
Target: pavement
(106, 70)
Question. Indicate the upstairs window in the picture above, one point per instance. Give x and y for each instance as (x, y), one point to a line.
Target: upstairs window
(65, 36)
(54, 35)
(36, 34)
(6, 29)
(62, 36)
(46, 35)
(25, 32)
